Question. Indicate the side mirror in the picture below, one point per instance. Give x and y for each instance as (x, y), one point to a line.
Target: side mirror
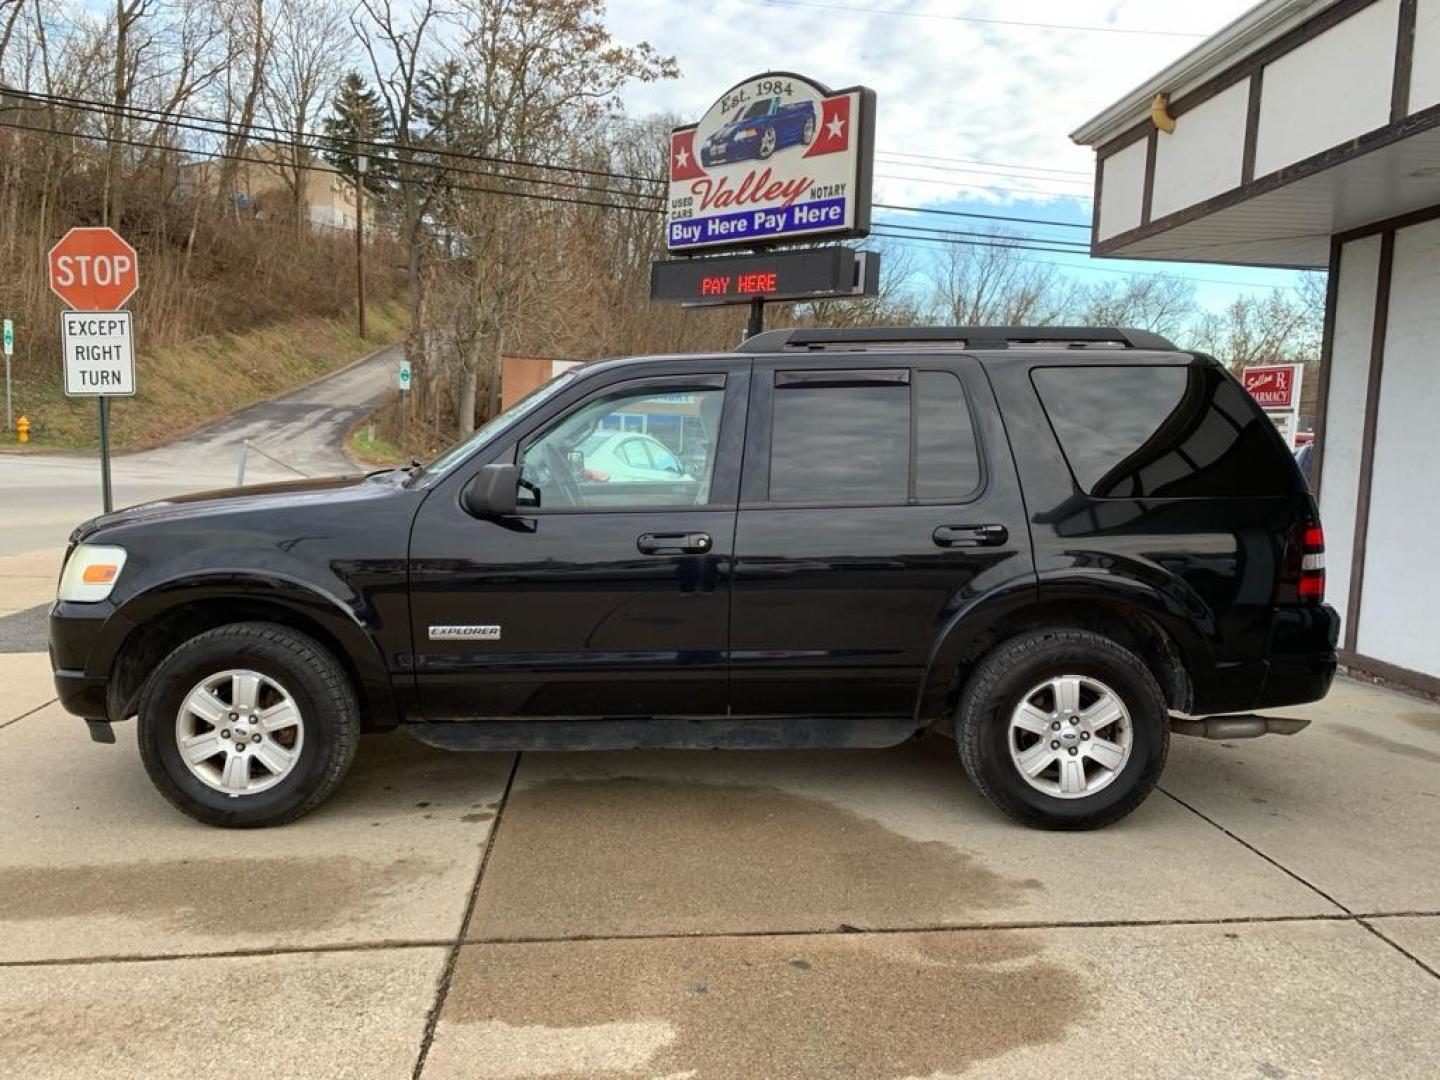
(492, 492)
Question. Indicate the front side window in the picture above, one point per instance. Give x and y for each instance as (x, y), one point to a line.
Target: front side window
(631, 450)
(839, 443)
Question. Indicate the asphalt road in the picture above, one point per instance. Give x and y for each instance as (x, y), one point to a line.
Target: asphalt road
(44, 496)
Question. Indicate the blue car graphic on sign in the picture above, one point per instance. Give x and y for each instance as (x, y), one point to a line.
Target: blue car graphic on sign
(759, 129)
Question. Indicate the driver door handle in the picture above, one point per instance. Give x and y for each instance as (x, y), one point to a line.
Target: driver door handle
(674, 543)
(970, 535)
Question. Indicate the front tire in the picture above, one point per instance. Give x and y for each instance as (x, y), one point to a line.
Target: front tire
(248, 725)
(1063, 729)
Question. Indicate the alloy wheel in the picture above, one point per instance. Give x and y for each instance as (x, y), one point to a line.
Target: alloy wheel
(239, 732)
(1070, 736)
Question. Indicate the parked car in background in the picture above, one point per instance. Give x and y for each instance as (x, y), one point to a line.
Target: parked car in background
(1055, 545)
(1305, 458)
(758, 130)
(625, 457)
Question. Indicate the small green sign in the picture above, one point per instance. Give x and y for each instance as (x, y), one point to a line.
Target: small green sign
(9, 338)
(402, 376)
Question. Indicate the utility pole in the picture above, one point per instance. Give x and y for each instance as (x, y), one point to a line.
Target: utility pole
(361, 161)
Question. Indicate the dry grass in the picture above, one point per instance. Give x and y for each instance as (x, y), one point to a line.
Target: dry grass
(182, 386)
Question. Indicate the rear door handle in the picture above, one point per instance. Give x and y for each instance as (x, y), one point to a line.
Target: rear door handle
(676, 543)
(970, 535)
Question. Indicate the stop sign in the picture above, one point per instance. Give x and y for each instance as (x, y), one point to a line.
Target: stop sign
(93, 269)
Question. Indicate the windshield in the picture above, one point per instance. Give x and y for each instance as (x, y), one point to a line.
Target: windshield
(498, 423)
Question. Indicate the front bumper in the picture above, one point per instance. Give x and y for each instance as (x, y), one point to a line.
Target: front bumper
(78, 657)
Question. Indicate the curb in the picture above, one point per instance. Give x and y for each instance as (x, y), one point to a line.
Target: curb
(350, 455)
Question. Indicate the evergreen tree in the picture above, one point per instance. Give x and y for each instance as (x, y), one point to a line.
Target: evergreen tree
(359, 116)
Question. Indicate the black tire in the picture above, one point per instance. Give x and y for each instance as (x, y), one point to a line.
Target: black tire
(320, 688)
(995, 689)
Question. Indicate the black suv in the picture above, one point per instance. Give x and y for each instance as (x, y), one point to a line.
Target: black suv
(1040, 541)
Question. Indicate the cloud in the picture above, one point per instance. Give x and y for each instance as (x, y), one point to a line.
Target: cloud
(981, 92)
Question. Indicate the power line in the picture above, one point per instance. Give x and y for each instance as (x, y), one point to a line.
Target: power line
(423, 183)
(985, 217)
(977, 19)
(976, 170)
(904, 240)
(1000, 241)
(226, 127)
(1080, 247)
(977, 161)
(218, 127)
(984, 187)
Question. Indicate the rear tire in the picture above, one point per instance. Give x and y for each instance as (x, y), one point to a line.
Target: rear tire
(287, 713)
(1013, 711)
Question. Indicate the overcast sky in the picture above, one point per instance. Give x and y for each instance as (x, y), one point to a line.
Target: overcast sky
(995, 100)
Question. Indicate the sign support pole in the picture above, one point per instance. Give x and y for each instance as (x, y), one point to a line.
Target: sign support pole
(106, 499)
(757, 317)
(9, 412)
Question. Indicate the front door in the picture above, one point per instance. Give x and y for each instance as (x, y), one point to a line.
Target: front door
(607, 594)
(879, 498)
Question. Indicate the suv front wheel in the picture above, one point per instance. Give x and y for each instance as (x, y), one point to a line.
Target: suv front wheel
(248, 724)
(1063, 729)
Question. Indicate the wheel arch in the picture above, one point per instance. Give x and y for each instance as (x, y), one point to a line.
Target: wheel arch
(1135, 618)
(168, 615)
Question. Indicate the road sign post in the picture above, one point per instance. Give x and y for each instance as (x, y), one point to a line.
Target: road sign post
(95, 272)
(8, 341)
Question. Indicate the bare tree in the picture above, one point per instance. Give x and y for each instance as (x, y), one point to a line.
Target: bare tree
(1161, 303)
(1270, 329)
(309, 52)
(991, 282)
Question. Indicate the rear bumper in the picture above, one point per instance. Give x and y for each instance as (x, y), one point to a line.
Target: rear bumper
(1298, 666)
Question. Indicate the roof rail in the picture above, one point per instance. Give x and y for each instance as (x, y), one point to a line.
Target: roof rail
(970, 337)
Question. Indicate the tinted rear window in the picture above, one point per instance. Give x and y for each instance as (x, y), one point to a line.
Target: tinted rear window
(947, 461)
(1164, 431)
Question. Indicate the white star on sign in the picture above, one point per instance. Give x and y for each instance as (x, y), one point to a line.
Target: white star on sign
(682, 159)
(835, 127)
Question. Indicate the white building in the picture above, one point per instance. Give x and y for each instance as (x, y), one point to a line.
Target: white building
(1307, 134)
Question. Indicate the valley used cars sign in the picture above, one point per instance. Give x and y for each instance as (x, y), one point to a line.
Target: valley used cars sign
(778, 157)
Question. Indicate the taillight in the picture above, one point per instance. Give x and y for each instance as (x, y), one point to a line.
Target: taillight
(1305, 565)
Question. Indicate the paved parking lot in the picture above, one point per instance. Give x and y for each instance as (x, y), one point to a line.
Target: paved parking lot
(1274, 912)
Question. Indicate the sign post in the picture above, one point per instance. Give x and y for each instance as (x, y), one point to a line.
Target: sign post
(1276, 389)
(95, 272)
(8, 341)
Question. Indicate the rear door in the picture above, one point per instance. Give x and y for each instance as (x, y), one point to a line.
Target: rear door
(878, 498)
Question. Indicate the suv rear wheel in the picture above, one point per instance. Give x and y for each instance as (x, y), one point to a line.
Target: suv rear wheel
(1063, 729)
(247, 725)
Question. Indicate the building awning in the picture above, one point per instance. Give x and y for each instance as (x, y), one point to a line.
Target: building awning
(1301, 120)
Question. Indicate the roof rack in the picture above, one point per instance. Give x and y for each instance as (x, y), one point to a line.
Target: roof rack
(970, 337)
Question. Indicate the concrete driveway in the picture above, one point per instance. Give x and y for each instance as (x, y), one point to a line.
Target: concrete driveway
(1273, 912)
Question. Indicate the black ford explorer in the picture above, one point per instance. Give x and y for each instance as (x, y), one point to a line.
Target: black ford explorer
(1055, 545)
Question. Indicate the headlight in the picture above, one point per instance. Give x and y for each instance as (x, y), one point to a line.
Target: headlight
(748, 133)
(91, 572)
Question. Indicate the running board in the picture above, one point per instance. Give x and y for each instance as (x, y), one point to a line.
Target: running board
(1240, 726)
(568, 733)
